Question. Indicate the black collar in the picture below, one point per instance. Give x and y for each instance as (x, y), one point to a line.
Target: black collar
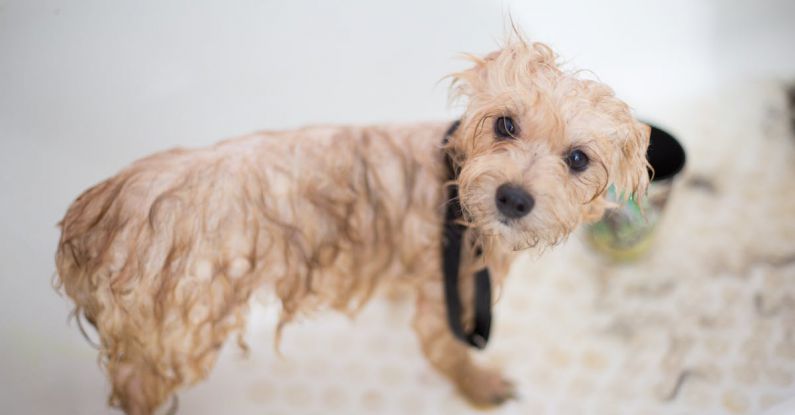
(451, 260)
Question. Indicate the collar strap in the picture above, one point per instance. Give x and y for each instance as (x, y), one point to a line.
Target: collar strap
(451, 262)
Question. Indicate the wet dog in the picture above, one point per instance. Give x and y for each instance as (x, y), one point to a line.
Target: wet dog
(163, 257)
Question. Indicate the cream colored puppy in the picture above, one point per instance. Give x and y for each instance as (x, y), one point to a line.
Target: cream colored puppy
(163, 257)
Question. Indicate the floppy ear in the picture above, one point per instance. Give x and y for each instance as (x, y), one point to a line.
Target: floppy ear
(468, 82)
(516, 57)
(631, 175)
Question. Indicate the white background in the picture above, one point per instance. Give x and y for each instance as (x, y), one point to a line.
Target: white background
(88, 86)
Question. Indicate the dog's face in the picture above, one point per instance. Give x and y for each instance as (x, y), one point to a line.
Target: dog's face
(539, 147)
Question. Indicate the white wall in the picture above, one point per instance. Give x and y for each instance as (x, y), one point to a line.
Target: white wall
(88, 86)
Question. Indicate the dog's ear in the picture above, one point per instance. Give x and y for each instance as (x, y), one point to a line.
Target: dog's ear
(466, 83)
(498, 71)
(631, 174)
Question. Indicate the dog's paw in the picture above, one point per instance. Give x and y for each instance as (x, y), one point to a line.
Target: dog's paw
(486, 388)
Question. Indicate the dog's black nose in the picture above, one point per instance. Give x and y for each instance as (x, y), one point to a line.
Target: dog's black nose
(513, 201)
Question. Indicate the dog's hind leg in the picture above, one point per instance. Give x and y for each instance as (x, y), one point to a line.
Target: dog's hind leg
(138, 388)
(481, 386)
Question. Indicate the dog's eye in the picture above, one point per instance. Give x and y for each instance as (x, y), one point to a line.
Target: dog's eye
(577, 160)
(504, 127)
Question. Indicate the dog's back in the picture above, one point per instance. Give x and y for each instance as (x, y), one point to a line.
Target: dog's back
(163, 257)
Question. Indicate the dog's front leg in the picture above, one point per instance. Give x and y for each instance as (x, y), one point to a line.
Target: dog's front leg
(481, 386)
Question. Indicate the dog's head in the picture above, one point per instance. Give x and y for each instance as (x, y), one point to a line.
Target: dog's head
(538, 147)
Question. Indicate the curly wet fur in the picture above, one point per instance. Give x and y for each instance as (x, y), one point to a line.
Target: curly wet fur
(163, 257)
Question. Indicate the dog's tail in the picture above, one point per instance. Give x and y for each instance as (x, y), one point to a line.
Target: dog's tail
(85, 237)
